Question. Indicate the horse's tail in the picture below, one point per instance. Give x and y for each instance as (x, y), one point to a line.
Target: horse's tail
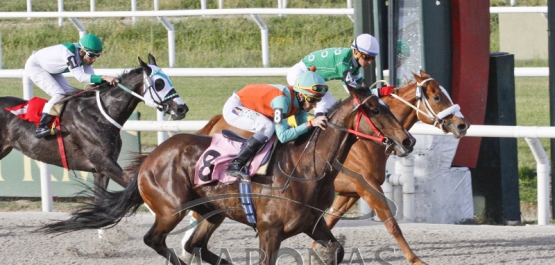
(106, 212)
(208, 127)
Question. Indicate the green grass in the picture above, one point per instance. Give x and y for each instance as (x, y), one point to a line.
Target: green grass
(230, 41)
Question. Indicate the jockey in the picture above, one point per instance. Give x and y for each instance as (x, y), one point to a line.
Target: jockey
(45, 68)
(330, 63)
(263, 109)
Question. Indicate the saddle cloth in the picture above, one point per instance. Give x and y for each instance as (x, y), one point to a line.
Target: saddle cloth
(29, 111)
(32, 110)
(214, 161)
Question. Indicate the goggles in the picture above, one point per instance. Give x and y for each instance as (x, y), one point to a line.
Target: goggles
(367, 56)
(316, 88)
(92, 54)
(311, 99)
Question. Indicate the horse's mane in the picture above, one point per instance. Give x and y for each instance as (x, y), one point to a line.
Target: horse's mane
(404, 86)
(104, 86)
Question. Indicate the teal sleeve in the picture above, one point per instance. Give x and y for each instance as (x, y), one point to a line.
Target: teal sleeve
(96, 79)
(283, 131)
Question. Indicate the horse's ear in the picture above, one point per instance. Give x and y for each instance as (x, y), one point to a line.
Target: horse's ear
(151, 60)
(423, 74)
(417, 77)
(145, 67)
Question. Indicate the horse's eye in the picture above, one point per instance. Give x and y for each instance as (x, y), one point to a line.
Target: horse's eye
(159, 84)
(376, 111)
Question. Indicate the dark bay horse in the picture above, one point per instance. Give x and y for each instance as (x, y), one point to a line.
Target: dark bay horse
(164, 182)
(368, 158)
(92, 142)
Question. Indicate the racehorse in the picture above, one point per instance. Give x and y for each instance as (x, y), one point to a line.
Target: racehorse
(164, 182)
(367, 159)
(91, 123)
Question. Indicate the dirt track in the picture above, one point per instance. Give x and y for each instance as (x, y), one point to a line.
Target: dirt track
(435, 244)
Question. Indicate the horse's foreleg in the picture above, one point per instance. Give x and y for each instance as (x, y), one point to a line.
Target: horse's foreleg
(341, 204)
(323, 236)
(5, 152)
(100, 183)
(200, 238)
(384, 213)
(270, 241)
(194, 217)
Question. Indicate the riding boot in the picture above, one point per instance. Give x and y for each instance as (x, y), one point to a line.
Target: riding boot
(44, 126)
(237, 167)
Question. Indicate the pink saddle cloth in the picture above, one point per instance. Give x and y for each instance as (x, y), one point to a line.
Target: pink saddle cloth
(214, 161)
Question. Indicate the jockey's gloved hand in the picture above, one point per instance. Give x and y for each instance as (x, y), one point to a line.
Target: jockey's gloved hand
(383, 91)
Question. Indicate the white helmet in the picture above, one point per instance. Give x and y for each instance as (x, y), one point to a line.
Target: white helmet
(366, 43)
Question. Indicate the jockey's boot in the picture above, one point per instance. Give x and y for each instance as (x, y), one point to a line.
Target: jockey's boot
(44, 126)
(237, 167)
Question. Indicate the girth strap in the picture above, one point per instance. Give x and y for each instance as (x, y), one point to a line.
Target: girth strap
(247, 204)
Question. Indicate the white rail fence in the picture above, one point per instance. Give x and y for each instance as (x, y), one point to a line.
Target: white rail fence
(529, 133)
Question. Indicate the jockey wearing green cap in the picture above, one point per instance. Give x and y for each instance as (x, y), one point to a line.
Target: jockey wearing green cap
(45, 68)
(330, 63)
(263, 109)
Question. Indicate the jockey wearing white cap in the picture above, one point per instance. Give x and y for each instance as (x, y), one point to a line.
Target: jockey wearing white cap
(330, 63)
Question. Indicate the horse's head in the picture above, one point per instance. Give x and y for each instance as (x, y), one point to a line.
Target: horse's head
(437, 107)
(158, 90)
(381, 122)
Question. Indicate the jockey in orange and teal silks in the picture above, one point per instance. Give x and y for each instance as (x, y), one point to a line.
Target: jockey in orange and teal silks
(330, 63)
(263, 109)
(45, 68)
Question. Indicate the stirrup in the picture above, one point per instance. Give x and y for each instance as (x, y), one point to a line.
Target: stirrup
(238, 173)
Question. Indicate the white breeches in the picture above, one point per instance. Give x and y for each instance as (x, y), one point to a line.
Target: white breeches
(246, 119)
(55, 85)
(327, 101)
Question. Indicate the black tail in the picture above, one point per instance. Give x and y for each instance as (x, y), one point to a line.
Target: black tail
(107, 210)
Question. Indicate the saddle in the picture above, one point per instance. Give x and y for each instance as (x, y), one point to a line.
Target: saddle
(222, 150)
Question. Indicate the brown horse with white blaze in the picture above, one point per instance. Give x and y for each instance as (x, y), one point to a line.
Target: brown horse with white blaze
(425, 100)
(165, 182)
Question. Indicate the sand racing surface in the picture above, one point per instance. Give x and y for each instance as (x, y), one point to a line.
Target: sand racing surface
(123, 244)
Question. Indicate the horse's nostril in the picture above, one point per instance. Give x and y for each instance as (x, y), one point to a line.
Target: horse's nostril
(408, 142)
(462, 127)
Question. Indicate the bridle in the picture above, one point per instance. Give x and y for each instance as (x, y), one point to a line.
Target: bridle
(148, 87)
(437, 118)
(360, 113)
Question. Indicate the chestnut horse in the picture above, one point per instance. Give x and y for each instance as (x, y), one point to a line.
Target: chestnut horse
(164, 181)
(368, 158)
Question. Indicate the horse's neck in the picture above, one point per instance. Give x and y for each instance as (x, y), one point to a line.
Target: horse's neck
(119, 104)
(403, 112)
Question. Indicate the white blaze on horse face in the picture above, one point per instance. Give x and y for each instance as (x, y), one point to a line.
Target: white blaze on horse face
(154, 96)
(455, 109)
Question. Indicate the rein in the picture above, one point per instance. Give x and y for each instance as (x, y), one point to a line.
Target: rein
(360, 114)
(430, 113)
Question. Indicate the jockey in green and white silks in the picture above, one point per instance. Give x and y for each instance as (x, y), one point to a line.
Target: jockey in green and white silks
(330, 63)
(45, 68)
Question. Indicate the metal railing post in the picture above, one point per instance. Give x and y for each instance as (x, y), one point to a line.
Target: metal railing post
(264, 36)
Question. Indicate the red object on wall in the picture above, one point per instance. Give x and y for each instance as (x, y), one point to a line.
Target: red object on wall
(469, 88)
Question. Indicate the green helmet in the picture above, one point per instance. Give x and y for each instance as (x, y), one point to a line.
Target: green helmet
(90, 42)
(311, 84)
